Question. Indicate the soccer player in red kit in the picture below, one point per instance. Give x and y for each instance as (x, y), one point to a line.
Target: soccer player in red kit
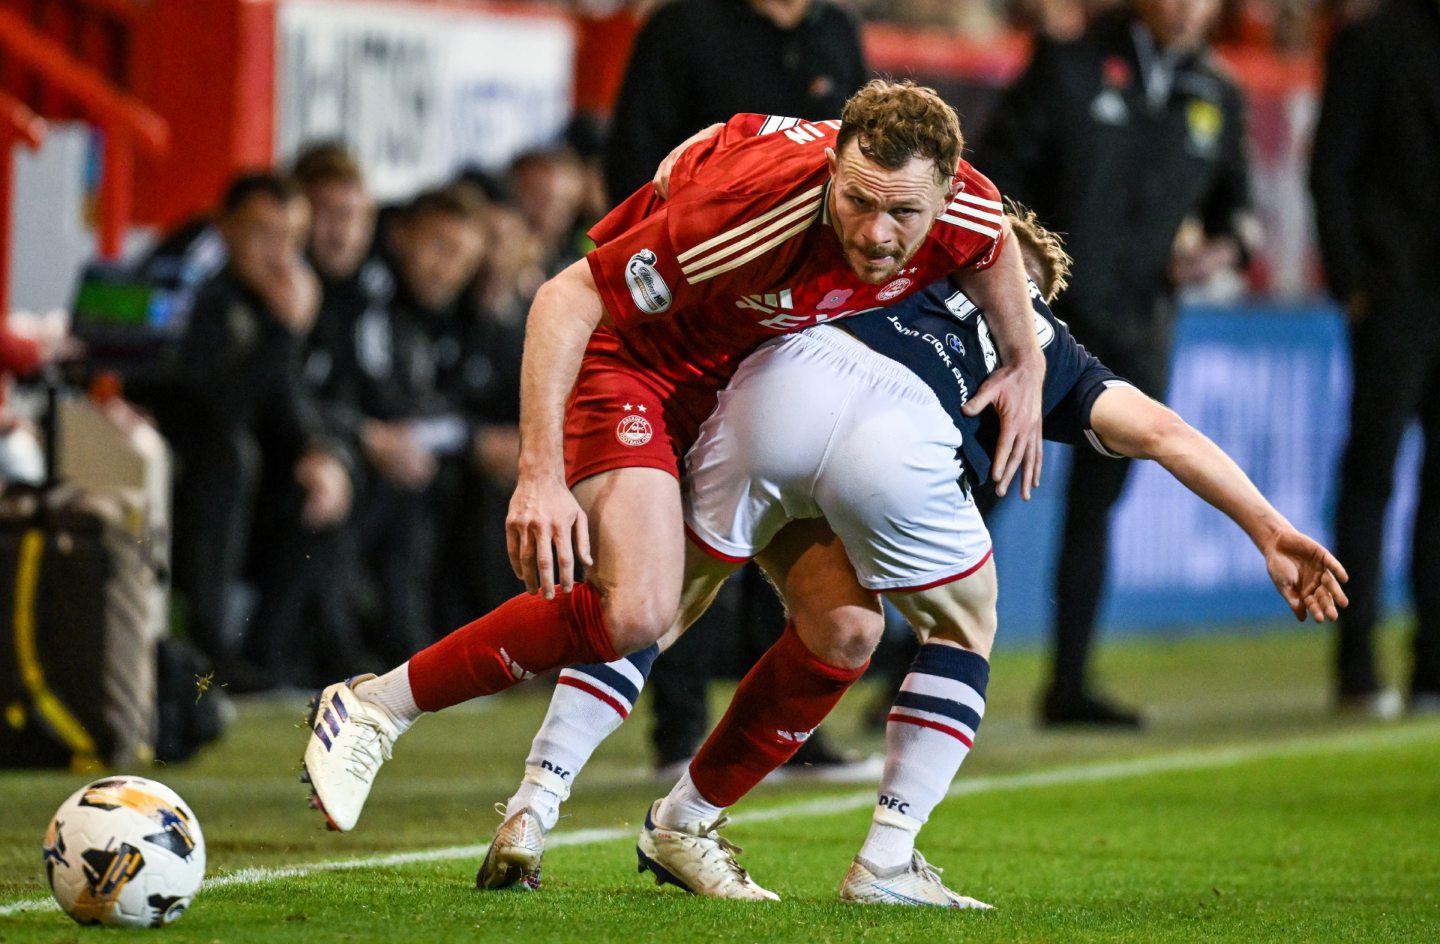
(761, 234)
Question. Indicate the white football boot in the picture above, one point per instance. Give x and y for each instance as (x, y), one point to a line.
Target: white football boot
(698, 859)
(914, 883)
(350, 738)
(513, 859)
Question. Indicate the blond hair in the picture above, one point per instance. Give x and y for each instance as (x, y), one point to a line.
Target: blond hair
(892, 122)
(1044, 253)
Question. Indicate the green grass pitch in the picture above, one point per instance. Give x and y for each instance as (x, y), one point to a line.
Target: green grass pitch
(1246, 813)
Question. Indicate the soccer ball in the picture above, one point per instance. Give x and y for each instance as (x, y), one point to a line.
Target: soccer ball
(124, 851)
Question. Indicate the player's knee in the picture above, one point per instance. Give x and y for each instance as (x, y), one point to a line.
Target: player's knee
(635, 621)
(844, 638)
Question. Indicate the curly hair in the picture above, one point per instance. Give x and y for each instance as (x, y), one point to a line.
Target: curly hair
(893, 122)
(1044, 252)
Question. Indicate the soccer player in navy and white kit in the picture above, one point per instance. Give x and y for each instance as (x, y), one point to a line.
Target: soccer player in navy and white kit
(886, 457)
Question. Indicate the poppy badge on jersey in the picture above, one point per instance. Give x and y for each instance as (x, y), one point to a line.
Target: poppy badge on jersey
(634, 430)
(647, 286)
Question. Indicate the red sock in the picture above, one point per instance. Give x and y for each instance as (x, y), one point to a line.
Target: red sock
(523, 636)
(776, 706)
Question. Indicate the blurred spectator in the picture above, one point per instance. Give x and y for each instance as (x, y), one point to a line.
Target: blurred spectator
(550, 189)
(239, 366)
(304, 624)
(1376, 181)
(407, 424)
(1114, 140)
(479, 364)
(698, 62)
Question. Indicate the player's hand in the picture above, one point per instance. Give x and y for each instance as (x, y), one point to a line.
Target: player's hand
(1015, 393)
(1307, 576)
(661, 182)
(545, 531)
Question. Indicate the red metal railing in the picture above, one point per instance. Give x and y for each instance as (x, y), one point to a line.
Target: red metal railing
(123, 119)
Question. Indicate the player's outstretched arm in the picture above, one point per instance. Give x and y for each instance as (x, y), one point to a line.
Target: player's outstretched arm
(546, 529)
(1306, 574)
(1015, 388)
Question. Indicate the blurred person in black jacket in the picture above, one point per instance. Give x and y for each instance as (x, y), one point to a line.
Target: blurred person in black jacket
(1115, 139)
(1375, 176)
(406, 422)
(305, 625)
(549, 188)
(479, 357)
(239, 378)
(698, 62)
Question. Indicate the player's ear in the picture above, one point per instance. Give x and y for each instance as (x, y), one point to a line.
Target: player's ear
(831, 161)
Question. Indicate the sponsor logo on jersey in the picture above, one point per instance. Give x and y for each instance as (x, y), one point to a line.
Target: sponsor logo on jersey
(953, 342)
(634, 430)
(894, 290)
(647, 286)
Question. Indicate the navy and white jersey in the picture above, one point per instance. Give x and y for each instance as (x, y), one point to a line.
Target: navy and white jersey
(941, 336)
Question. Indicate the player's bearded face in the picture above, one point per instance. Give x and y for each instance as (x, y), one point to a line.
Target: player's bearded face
(882, 216)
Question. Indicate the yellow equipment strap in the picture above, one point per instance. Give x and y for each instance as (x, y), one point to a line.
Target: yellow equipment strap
(27, 579)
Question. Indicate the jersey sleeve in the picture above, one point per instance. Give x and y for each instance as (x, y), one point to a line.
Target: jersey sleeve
(972, 226)
(1074, 380)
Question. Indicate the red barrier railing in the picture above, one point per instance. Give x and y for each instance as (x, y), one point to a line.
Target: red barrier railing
(124, 119)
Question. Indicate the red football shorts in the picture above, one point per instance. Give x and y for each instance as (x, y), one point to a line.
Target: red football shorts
(621, 416)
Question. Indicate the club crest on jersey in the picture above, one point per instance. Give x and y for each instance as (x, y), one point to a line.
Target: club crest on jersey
(647, 286)
(893, 290)
(634, 430)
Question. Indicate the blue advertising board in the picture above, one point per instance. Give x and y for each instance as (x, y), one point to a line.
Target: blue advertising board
(1270, 385)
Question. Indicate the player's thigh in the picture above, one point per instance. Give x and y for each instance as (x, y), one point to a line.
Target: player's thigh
(638, 544)
(961, 611)
(837, 619)
(704, 575)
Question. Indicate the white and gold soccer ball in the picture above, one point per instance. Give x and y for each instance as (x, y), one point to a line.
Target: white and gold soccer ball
(124, 851)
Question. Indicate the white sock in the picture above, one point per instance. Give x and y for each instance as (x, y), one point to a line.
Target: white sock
(931, 727)
(589, 703)
(391, 691)
(891, 841)
(684, 807)
(542, 792)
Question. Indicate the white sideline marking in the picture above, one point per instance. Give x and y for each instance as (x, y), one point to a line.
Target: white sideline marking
(1056, 776)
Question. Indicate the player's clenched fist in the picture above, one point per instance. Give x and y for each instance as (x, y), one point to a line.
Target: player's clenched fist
(546, 532)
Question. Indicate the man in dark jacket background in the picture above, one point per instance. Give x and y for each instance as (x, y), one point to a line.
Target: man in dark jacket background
(1115, 140)
(1376, 181)
(698, 62)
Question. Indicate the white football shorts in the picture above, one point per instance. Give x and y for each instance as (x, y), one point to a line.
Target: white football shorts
(818, 424)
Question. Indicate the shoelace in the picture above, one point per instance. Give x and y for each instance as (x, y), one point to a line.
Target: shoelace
(727, 849)
(364, 760)
(925, 870)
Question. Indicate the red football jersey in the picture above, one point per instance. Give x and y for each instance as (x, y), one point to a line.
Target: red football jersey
(744, 250)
